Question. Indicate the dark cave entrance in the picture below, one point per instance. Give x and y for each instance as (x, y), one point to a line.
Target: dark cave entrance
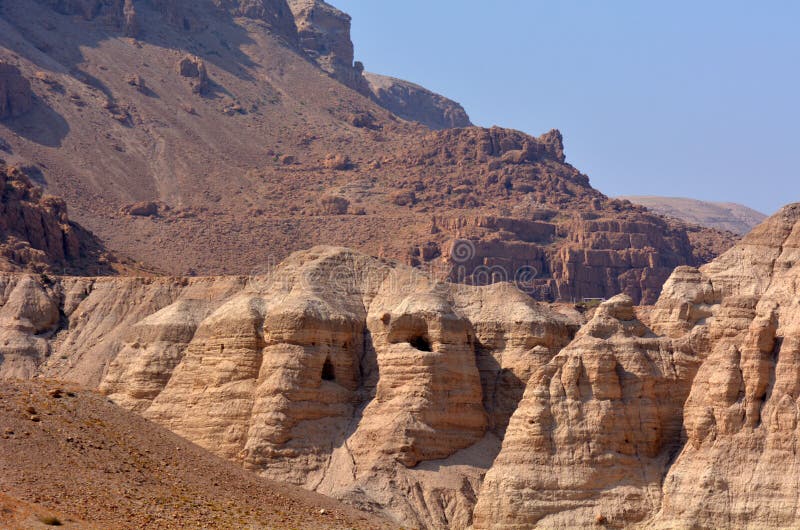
(421, 343)
(328, 373)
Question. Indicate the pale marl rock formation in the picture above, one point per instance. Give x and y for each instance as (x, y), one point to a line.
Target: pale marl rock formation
(454, 406)
(595, 430)
(690, 425)
(361, 379)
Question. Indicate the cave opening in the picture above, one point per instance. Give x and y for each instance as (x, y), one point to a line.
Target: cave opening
(421, 343)
(328, 373)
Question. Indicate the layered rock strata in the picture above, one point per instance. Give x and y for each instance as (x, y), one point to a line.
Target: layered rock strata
(450, 406)
(342, 373)
(690, 423)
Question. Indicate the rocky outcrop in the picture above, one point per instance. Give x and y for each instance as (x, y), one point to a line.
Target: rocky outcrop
(36, 233)
(690, 423)
(415, 103)
(593, 434)
(324, 34)
(194, 68)
(130, 23)
(339, 372)
(16, 96)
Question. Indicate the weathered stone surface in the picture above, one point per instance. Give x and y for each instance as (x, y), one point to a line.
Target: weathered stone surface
(594, 431)
(339, 372)
(324, 34)
(739, 465)
(690, 423)
(416, 103)
(377, 384)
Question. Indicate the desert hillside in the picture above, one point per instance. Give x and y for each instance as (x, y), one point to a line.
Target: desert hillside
(216, 137)
(70, 456)
(442, 405)
(733, 217)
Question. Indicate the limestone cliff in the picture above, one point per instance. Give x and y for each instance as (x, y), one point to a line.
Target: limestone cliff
(345, 374)
(449, 406)
(691, 423)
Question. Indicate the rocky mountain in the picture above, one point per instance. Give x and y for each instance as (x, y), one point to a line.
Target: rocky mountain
(445, 405)
(69, 458)
(415, 103)
(729, 216)
(201, 138)
(324, 34)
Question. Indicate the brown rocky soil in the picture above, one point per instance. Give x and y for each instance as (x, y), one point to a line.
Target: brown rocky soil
(238, 158)
(72, 457)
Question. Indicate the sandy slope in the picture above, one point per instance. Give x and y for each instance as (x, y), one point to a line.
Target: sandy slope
(75, 456)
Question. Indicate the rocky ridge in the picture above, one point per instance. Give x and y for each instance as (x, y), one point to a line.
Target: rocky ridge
(449, 406)
(177, 182)
(415, 103)
(736, 218)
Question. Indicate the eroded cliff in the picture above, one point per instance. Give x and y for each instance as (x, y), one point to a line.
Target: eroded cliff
(447, 405)
(362, 379)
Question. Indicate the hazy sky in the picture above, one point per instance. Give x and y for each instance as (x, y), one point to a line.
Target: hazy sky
(681, 98)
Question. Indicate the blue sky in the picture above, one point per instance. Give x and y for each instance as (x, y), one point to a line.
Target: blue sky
(696, 99)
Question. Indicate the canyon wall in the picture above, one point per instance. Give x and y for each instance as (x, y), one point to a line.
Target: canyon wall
(449, 406)
(358, 378)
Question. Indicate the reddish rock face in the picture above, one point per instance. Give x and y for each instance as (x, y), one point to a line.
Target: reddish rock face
(244, 147)
(36, 233)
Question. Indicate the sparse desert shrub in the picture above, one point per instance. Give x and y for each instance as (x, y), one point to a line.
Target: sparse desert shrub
(50, 520)
(334, 204)
(337, 161)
